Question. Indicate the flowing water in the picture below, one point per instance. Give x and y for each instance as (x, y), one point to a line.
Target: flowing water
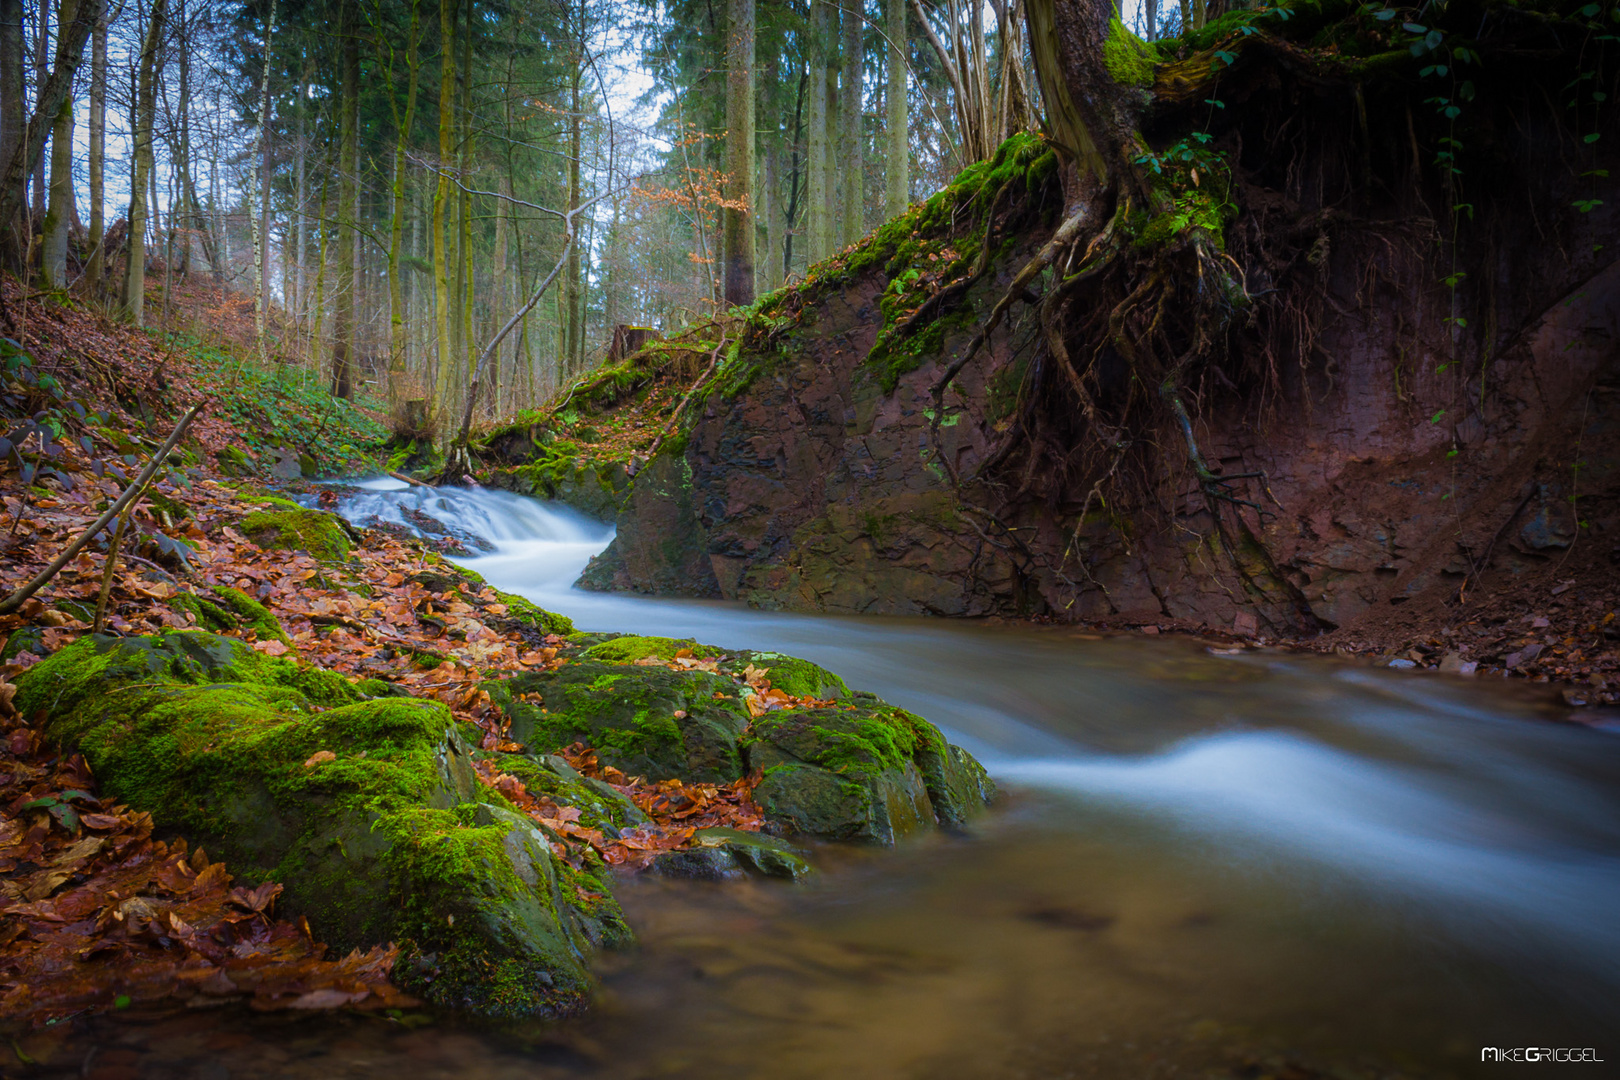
(1259, 864)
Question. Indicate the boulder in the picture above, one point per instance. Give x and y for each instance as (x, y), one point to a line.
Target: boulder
(767, 856)
(866, 771)
(367, 811)
(646, 720)
(323, 535)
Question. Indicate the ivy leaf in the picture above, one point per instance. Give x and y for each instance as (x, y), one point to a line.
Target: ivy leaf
(1414, 28)
(1228, 58)
(1435, 419)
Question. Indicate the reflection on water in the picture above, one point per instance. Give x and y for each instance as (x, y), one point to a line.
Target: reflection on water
(1207, 865)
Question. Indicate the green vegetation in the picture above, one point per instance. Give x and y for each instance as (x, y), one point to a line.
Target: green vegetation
(280, 407)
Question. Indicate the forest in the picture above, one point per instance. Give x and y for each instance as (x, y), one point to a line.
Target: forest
(917, 538)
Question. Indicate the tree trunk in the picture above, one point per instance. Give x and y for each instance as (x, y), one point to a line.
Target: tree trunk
(59, 218)
(28, 153)
(145, 107)
(348, 164)
(396, 229)
(796, 177)
(300, 300)
(819, 241)
(897, 169)
(42, 35)
(465, 341)
(11, 86)
(768, 266)
(441, 195)
(261, 187)
(316, 342)
(96, 270)
(738, 216)
(571, 275)
(850, 122)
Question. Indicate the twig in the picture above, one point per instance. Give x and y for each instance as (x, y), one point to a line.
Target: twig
(406, 479)
(112, 568)
(16, 599)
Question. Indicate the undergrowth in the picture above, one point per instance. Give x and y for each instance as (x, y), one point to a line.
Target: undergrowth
(273, 408)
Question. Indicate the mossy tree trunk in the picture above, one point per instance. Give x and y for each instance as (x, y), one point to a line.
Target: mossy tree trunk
(441, 195)
(738, 222)
(145, 108)
(850, 135)
(816, 216)
(348, 198)
(897, 166)
(59, 219)
(403, 125)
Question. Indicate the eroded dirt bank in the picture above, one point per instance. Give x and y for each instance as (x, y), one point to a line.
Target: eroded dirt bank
(1411, 425)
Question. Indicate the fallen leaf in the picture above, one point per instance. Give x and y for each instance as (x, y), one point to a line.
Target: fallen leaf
(319, 757)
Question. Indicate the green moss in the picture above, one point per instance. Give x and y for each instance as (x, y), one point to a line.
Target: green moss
(252, 614)
(321, 534)
(207, 614)
(627, 650)
(629, 714)
(789, 674)
(1128, 59)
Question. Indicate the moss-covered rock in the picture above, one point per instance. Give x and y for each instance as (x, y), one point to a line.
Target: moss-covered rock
(251, 614)
(368, 812)
(648, 721)
(628, 648)
(323, 535)
(29, 639)
(868, 772)
(601, 805)
(205, 613)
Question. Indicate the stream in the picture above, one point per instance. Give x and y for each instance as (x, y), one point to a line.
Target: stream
(1258, 864)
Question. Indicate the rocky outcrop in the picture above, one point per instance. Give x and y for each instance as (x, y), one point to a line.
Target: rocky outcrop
(1382, 465)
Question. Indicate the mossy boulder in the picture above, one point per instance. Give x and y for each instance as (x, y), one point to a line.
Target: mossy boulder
(867, 771)
(789, 674)
(629, 648)
(601, 805)
(367, 811)
(646, 720)
(322, 535)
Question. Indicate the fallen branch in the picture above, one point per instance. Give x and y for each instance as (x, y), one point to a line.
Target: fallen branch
(131, 493)
(407, 479)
